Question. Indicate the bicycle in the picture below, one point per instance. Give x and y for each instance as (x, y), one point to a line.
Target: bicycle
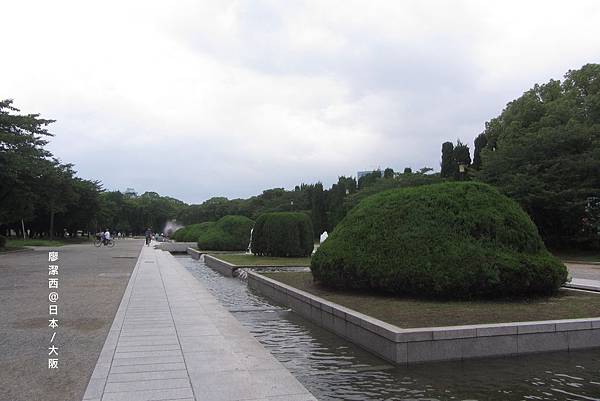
(98, 243)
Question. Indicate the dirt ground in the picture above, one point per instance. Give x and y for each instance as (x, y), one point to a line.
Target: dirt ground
(91, 284)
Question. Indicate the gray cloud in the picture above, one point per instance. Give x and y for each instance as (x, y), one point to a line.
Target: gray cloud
(233, 97)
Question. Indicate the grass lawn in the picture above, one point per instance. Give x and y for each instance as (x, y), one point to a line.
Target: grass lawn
(10, 248)
(44, 242)
(410, 313)
(253, 260)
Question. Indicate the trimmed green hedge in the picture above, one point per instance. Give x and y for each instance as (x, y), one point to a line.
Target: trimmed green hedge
(451, 240)
(283, 234)
(191, 233)
(2, 241)
(230, 233)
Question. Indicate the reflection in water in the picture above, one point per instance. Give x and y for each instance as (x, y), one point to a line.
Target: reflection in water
(334, 369)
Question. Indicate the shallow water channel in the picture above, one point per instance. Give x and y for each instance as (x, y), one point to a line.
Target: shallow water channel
(334, 369)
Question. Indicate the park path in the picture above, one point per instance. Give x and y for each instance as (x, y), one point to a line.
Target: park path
(585, 276)
(172, 340)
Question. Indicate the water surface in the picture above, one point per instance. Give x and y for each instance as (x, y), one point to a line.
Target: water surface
(334, 369)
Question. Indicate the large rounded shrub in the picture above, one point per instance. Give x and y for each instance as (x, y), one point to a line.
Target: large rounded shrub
(451, 240)
(284, 234)
(230, 233)
(191, 232)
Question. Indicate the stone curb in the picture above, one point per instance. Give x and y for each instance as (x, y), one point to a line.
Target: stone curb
(405, 346)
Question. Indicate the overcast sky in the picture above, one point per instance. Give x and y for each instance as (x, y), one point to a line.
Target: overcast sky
(195, 99)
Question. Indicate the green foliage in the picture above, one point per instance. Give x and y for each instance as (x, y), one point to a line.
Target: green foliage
(2, 241)
(192, 232)
(450, 240)
(544, 152)
(336, 197)
(22, 159)
(318, 211)
(449, 169)
(132, 213)
(480, 143)
(284, 234)
(229, 233)
(400, 181)
(369, 179)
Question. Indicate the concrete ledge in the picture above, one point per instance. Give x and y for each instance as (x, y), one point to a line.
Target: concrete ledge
(405, 346)
(194, 253)
(177, 247)
(583, 284)
(225, 268)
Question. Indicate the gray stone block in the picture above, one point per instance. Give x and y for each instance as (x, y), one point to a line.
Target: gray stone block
(95, 389)
(443, 333)
(401, 353)
(315, 315)
(584, 339)
(339, 326)
(144, 376)
(496, 330)
(571, 325)
(538, 342)
(479, 347)
(141, 385)
(155, 367)
(529, 327)
(439, 350)
(372, 341)
(411, 335)
(150, 395)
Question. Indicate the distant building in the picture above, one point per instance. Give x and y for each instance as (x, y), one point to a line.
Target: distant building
(130, 193)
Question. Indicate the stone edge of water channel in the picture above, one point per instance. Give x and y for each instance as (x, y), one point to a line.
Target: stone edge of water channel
(406, 346)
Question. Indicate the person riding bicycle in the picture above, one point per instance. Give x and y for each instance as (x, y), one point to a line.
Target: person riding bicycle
(106, 237)
(148, 235)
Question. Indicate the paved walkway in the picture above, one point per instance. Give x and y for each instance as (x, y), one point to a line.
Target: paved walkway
(91, 283)
(586, 276)
(172, 340)
(584, 284)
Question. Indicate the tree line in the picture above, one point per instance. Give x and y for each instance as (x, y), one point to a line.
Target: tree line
(42, 197)
(543, 150)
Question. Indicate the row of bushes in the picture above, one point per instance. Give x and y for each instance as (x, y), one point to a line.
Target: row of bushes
(283, 234)
(230, 233)
(190, 233)
(451, 240)
(275, 234)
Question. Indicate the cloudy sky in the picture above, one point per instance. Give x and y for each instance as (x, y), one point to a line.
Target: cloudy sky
(195, 99)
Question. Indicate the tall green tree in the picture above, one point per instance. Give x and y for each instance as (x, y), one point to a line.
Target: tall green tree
(544, 151)
(462, 158)
(318, 210)
(449, 167)
(22, 160)
(480, 144)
